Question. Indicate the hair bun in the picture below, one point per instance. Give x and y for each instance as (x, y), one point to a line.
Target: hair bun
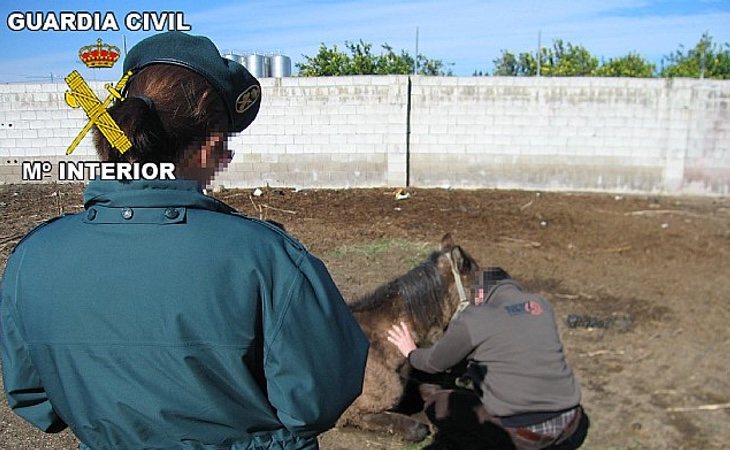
(148, 101)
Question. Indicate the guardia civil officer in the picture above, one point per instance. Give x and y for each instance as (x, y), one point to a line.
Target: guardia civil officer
(526, 396)
(159, 318)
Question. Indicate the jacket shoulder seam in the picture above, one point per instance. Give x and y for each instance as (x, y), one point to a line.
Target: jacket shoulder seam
(271, 227)
(38, 227)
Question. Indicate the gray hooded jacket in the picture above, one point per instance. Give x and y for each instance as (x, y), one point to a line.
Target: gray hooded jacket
(512, 340)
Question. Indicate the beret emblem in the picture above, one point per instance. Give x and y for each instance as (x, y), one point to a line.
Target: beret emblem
(247, 98)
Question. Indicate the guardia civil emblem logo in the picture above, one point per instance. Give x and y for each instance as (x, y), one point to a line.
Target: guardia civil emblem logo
(247, 98)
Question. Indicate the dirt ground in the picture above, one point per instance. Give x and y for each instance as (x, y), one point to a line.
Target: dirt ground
(640, 285)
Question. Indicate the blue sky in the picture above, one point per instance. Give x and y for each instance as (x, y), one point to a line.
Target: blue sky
(468, 33)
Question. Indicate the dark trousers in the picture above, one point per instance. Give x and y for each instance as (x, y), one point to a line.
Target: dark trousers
(464, 424)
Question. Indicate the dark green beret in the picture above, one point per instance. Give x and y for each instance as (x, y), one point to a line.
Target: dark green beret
(240, 91)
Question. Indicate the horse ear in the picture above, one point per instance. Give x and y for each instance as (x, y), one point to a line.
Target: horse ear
(458, 257)
(447, 242)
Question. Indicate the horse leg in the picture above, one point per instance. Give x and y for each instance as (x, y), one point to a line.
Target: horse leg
(391, 422)
(382, 389)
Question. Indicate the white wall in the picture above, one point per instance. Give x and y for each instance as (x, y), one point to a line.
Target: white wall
(324, 132)
(646, 135)
(623, 135)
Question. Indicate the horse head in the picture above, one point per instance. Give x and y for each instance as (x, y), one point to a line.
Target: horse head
(457, 266)
(436, 290)
(426, 297)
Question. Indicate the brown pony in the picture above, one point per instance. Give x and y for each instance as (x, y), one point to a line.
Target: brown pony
(426, 298)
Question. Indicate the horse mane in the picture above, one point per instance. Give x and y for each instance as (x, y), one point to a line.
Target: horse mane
(422, 290)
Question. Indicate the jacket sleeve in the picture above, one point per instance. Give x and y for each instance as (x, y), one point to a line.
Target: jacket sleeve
(23, 388)
(448, 351)
(314, 359)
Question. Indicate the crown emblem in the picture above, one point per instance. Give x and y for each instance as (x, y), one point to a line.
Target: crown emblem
(99, 55)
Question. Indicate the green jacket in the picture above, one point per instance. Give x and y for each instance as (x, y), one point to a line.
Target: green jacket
(159, 318)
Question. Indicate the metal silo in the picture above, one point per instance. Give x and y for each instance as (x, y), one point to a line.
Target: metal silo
(258, 65)
(280, 66)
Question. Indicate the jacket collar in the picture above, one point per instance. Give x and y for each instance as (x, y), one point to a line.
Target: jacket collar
(150, 194)
(502, 285)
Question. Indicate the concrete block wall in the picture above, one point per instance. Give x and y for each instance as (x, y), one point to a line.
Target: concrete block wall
(324, 132)
(622, 135)
(632, 135)
(310, 132)
(706, 114)
(36, 124)
(35, 121)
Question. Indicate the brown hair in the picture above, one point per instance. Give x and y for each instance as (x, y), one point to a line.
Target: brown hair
(184, 109)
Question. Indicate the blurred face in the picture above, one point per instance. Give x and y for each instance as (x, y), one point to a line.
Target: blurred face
(211, 157)
(479, 296)
(485, 280)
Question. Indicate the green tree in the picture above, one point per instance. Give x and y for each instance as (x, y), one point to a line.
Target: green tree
(433, 67)
(509, 65)
(391, 63)
(361, 61)
(707, 54)
(327, 62)
(632, 65)
(567, 61)
(560, 60)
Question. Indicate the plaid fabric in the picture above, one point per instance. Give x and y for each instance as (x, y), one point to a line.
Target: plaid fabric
(553, 427)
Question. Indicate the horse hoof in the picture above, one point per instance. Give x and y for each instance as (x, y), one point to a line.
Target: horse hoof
(417, 432)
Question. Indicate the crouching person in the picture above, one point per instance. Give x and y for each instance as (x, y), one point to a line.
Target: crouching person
(526, 396)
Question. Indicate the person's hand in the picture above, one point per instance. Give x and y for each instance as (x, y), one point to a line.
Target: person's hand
(400, 336)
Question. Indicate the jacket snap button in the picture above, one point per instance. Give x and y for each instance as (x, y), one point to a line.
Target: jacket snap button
(172, 213)
(127, 213)
(91, 214)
